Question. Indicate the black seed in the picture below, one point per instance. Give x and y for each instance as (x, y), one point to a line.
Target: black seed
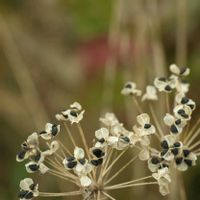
(71, 164)
(147, 126)
(95, 162)
(162, 79)
(168, 88)
(65, 116)
(42, 132)
(155, 160)
(98, 153)
(184, 81)
(186, 152)
(100, 161)
(182, 70)
(125, 138)
(37, 157)
(128, 85)
(191, 106)
(164, 144)
(29, 195)
(32, 186)
(25, 146)
(73, 113)
(177, 144)
(164, 152)
(183, 114)
(188, 162)
(173, 129)
(82, 161)
(178, 122)
(54, 130)
(184, 100)
(22, 194)
(33, 167)
(175, 151)
(70, 158)
(163, 166)
(21, 154)
(178, 160)
(102, 140)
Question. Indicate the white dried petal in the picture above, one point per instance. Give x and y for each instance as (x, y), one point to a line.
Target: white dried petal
(76, 106)
(151, 94)
(102, 133)
(85, 181)
(79, 153)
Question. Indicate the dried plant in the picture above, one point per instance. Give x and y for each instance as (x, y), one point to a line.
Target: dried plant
(164, 149)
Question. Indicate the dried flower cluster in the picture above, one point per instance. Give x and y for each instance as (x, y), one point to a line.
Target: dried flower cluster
(165, 145)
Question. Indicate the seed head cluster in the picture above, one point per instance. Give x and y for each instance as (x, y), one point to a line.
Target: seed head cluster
(164, 144)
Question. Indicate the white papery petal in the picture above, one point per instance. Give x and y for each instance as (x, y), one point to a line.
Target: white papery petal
(77, 119)
(25, 183)
(164, 190)
(144, 154)
(33, 139)
(143, 119)
(109, 119)
(43, 168)
(54, 146)
(46, 136)
(151, 93)
(171, 139)
(48, 127)
(85, 181)
(174, 69)
(76, 106)
(182, 167)
(60, 117)
(160, 85)
(152, 167)
(100, 145)
(179, 97)
(169, 119)
(131, 90)
(168, 156)
(112, 141)
(184, 87)
(151, 130)
(79, 169)
(102, 133)
(79, 153)
(187, 110)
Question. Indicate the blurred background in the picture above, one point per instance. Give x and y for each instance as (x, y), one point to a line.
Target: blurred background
(54, 52)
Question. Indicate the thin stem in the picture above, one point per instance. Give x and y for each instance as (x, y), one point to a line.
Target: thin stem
(132, 185)
(193, 137)
(113, 163)
(156, 120)
(121, 170)
(137, 105)
(109, 196)
(131, 182)
(46, 194)
(192, 132)
(194, 145)
(105, 164)
(70, 134)
(83, 140)
(62, 177)
(167, 102)
(65, 148)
